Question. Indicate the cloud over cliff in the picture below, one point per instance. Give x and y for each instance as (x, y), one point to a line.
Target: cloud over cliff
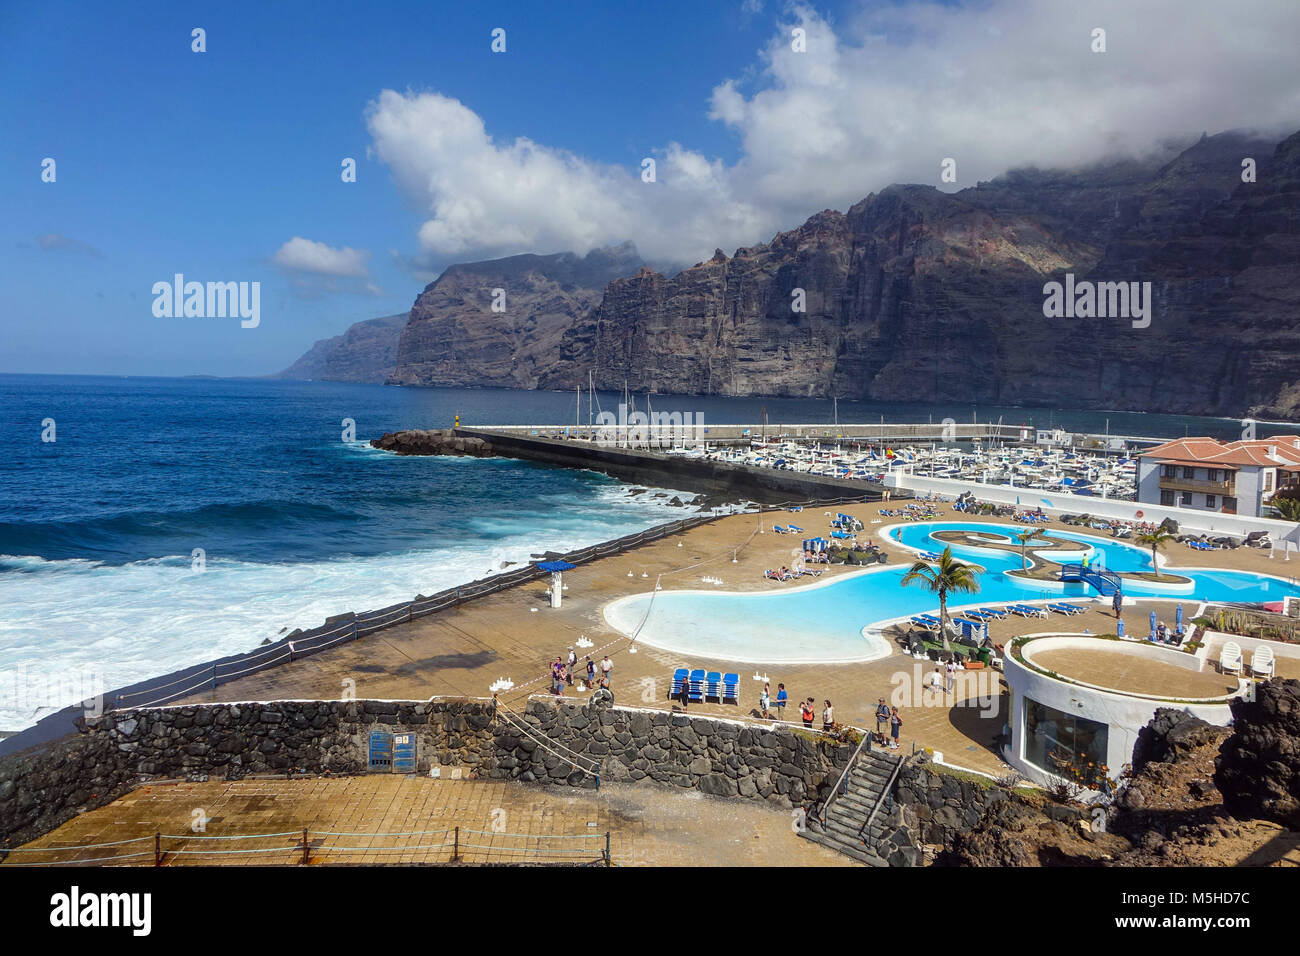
(883, 97)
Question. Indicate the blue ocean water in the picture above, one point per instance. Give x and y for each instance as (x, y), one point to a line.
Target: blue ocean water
(98, 528)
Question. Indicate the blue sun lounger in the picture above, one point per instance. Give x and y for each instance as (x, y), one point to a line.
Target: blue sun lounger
(1026, 610)
(779, 529)
(1066, 609)
(977, 615)
(679, 678)
(731, 688)
(926, 621)
(996, 612)
(713, 685)
(696, 693)
(795, 529)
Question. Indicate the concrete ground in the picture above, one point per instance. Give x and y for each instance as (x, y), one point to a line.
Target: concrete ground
(350, 818)
(515, 634)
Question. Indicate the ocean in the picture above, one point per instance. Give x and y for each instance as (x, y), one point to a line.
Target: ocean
(172, 521)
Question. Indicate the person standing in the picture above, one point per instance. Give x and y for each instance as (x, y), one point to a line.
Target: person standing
(807, 712)
(895, 727)
(1117, 603)
(781, 699)
(573, 664)
(882, 718)
(606, 668)
(591, 672)
(764, 702)
(828, 716)
(949, 676)
(684, 692)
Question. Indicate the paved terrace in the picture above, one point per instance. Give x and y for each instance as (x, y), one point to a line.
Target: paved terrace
(648, 826)
(464, 650)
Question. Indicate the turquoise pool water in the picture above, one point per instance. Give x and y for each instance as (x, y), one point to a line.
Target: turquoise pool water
(825, 622)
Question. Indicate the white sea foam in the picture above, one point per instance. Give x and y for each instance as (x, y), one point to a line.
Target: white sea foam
(124, 623)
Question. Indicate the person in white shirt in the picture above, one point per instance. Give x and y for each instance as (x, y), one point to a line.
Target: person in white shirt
(606, 667)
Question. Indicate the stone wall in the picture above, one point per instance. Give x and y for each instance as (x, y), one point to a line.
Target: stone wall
(43, 788)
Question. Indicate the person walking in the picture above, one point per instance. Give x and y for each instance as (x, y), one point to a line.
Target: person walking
(828, 716)
(895, 727)
(949, 676)
(1117, 603)
(781, 699)
(807, 712)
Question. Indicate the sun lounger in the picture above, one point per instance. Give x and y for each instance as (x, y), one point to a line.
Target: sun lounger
(795, 529)
(996, 612)
(1078, 608)
(1026, 610)
(1067, 609)
(927, 621)
(731, 688)
(779, 530)
(679, 677)
(713, 685)
(697, 686)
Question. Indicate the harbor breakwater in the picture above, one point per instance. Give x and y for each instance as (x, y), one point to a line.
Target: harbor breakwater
(718, 478)
(545, 743)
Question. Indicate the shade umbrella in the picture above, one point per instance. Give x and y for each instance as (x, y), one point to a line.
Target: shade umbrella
(1178, 620)
(1153, 626)
(1119, 629)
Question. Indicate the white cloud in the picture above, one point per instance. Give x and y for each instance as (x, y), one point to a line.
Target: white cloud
(59, 242)
(317, 258)
(881, 98)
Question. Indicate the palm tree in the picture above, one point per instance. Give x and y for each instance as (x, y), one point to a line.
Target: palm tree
(946, 574)
(1024, 537)
(1289, 507)
(1155, 540)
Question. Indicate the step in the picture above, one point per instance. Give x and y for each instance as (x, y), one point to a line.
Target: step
(861, 855)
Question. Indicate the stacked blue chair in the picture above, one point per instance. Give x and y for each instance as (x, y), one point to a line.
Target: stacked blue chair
(713, 685)
(731, 688)
(696, 693)
(679, 678)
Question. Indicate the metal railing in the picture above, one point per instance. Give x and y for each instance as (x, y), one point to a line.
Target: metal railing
(454, 844)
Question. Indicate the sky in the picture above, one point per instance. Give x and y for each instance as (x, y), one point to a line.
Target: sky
(225, 165)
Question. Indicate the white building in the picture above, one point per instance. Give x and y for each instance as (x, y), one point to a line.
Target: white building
(1208, 475)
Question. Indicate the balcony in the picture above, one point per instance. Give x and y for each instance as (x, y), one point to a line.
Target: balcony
(1200, 485)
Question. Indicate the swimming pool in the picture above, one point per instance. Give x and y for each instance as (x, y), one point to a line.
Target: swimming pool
(838, 620)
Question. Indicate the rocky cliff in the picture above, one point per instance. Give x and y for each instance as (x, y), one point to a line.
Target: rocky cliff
(366, 352)
(918, 295)
(454, 336)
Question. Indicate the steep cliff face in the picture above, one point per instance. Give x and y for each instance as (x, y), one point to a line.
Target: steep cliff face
(917, 295)
(453, 336)
(366, 352)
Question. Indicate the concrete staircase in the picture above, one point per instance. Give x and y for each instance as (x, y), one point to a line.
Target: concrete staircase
(855, 817)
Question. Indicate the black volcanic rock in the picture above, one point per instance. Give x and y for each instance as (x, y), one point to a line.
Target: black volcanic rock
(1258, 768)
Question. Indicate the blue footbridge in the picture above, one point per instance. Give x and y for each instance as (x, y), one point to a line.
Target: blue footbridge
(1106, 582)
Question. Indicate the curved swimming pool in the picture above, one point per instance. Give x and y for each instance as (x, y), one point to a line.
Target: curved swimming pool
(836, 621)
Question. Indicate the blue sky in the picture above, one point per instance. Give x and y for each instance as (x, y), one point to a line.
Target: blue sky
(209, 163)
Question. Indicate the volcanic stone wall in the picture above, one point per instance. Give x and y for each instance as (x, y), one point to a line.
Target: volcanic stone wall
(44, 787)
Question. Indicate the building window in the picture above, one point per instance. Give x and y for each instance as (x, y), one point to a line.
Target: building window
(1230, 504)
(1189, 472)
(1209, 501)
(1186, 499)
(1167, 498)
(1212, 474)
(1268, 480)
(1063, 744)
